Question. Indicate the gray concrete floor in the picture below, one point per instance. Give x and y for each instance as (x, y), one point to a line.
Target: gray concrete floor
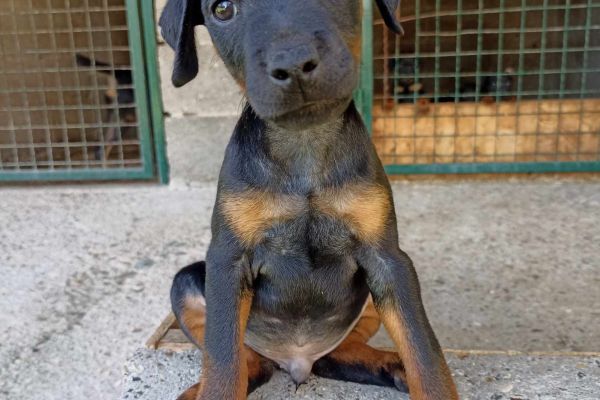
(152, 375)
(85, 271)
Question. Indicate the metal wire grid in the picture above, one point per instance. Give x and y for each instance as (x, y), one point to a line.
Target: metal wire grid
(56, 113)
(500, 81)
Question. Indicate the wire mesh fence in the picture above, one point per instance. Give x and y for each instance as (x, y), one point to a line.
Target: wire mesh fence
(500, 81)
(67, 91)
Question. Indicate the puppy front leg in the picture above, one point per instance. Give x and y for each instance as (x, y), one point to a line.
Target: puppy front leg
(395, 288)
(228, 302)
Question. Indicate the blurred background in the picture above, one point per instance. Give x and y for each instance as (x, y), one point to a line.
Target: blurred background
(486, 115)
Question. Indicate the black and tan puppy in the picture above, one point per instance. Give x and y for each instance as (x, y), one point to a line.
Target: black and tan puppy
(304, 259)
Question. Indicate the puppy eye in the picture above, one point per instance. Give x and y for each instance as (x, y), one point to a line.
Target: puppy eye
(224, 10)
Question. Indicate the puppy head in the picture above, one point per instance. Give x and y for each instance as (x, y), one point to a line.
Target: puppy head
(298, 60)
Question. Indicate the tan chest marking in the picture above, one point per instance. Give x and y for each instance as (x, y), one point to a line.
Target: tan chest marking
(364, 208)
(252, 212)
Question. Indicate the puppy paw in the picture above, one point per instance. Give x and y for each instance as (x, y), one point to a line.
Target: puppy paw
(393, 369)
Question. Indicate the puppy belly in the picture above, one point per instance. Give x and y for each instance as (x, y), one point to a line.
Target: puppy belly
(297, 349)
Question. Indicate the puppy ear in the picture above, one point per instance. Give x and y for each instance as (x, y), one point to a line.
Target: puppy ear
(388, 10)
(177, 24)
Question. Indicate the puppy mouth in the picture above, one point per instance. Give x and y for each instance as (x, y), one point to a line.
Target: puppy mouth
(310, 112)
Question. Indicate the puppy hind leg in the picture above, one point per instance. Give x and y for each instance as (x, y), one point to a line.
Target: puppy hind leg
(189, 306)
(355, 361)
(188, 302)
(260, 371)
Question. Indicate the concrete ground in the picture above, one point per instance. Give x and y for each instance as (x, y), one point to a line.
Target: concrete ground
(85, 273)
(478, 377)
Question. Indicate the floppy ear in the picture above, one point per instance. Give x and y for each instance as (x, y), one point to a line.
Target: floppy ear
(177, 24)
(388, 10)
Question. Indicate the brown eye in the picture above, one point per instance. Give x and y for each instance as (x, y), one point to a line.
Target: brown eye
(224, 10)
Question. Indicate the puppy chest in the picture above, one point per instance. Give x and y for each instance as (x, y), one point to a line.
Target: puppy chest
(313, 235)
(339, 215)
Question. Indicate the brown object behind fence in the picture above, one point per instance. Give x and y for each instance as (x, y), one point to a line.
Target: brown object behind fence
(531, 130)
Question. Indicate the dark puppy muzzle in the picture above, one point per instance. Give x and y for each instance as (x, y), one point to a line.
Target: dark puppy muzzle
(291, 65)
(299, 70)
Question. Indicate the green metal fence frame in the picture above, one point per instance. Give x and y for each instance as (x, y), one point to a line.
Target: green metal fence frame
(363, 97)
(142, 40)
(154, 89)
(364, 100)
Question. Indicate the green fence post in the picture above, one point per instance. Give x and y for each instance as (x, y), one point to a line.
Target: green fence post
(140, 85)
(154, 89)
(363, 96)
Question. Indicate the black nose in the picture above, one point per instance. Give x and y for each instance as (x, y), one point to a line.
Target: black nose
(292, 63)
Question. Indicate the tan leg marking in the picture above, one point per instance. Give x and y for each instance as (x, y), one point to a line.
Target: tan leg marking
(415, 372)
(194, 318)
(255, 372)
